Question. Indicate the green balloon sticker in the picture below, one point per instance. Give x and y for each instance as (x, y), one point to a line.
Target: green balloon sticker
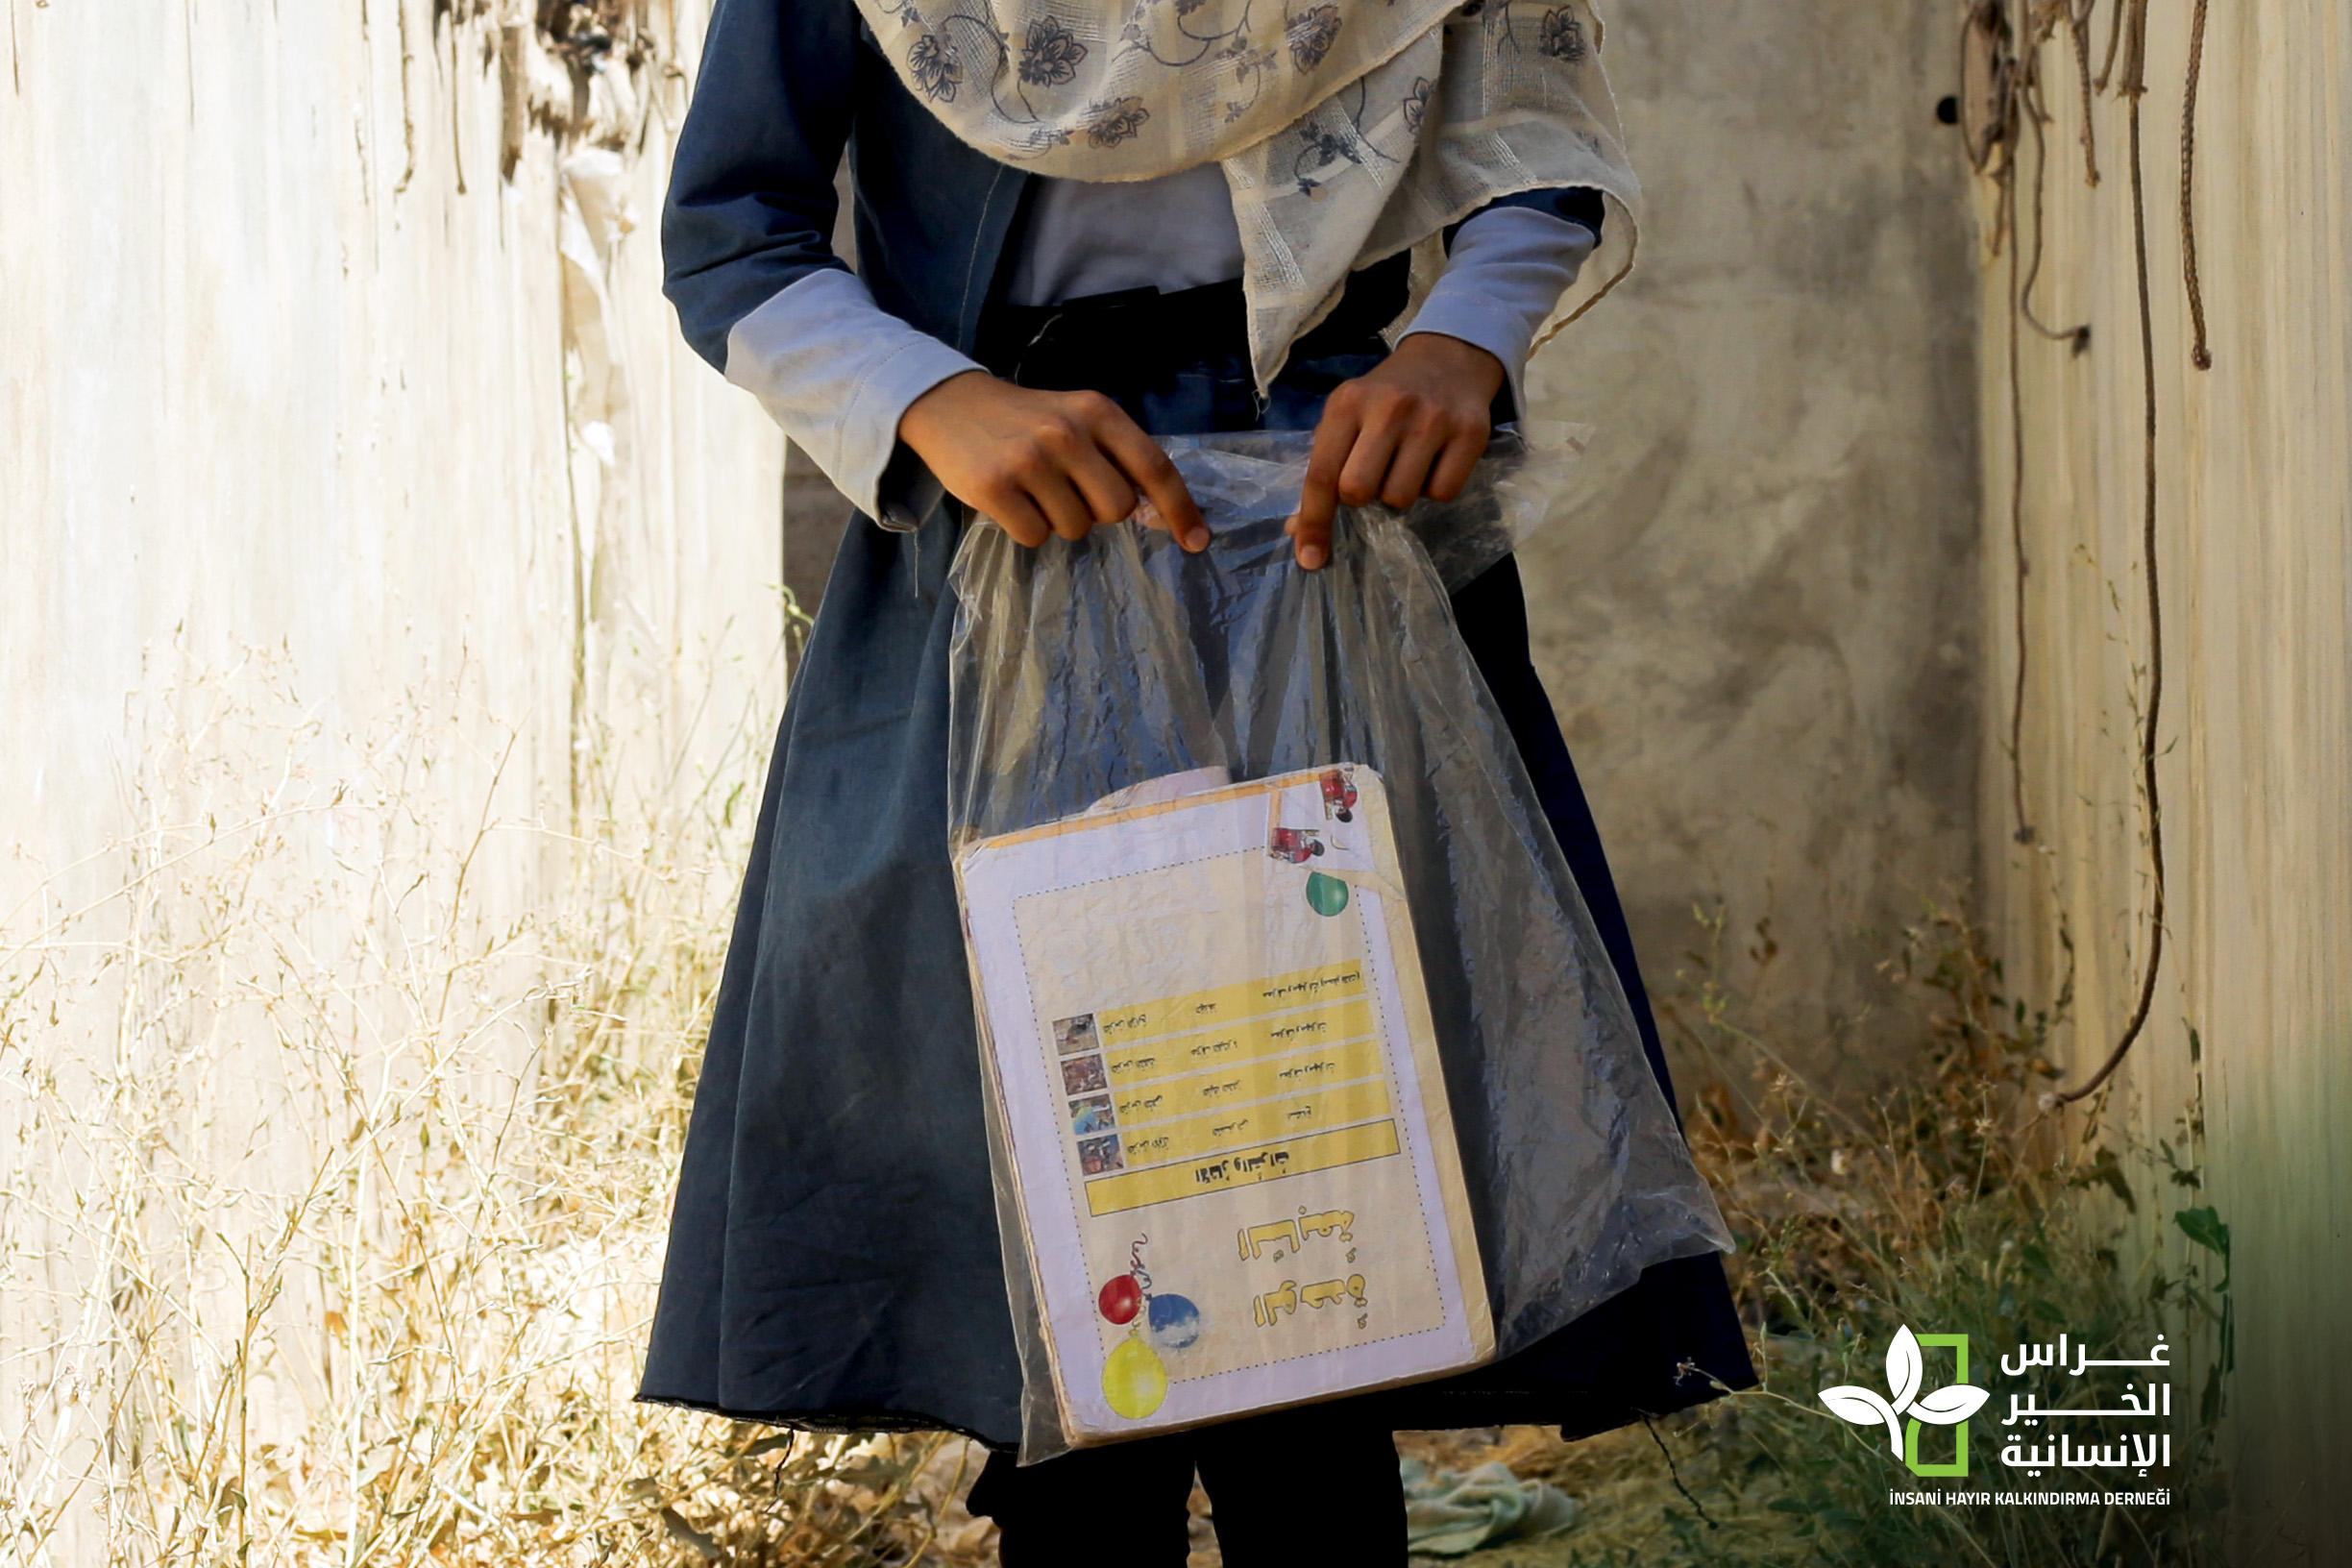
(1326, 894)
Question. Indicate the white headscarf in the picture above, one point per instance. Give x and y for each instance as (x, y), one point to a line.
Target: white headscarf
(1348, 130)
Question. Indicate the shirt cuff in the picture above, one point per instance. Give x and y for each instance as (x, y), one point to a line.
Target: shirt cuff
(838, 372)
(1504, 277)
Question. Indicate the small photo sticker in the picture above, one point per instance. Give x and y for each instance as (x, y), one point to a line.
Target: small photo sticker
(1075, 1035)
(1083, 1076)
(1097, 1156)
(1092, 1116)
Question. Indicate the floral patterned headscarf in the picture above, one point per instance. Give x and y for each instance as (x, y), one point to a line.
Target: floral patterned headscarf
(1348, 130)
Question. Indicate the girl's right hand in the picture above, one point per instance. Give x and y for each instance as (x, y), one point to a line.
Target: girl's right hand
(1047, 463)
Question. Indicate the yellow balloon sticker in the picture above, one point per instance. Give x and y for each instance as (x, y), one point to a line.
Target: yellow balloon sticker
(1134, 1380)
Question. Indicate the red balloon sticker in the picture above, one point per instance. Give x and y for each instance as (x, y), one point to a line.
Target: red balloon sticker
(1121, 1298)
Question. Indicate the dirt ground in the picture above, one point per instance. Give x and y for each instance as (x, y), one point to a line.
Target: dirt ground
(1578, 1469)
(1586, 1471)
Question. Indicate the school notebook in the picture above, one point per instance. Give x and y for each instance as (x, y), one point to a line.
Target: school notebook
(1208, 1035)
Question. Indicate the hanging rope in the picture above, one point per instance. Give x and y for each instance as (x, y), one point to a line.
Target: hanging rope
(2115, 36)
(2017, 540)
(2199, 354)
(2135, 90)
(2078, 23)
(1994, 76)
(2017, 73)
(2078, 334)
(2003, 58)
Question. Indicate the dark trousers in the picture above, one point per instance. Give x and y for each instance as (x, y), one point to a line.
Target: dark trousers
(1297, 1486)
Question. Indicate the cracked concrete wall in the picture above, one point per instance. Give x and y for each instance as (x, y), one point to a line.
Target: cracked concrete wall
(1756, 610)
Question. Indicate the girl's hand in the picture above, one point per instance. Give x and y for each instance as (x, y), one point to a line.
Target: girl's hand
(1041, 463)
(1410, 427)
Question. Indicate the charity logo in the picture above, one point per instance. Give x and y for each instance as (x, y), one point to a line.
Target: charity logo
(1950, 1406)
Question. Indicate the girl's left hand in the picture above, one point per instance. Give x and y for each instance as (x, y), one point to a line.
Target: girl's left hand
(1412, 426)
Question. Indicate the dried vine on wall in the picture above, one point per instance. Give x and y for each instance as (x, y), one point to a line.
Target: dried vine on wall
(548, 68)
(2003, 47)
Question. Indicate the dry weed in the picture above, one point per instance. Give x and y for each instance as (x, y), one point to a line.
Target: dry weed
(1947, 1203)
(343, 1099)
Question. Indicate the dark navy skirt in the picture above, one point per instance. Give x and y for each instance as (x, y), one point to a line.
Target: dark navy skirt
(833, 1257)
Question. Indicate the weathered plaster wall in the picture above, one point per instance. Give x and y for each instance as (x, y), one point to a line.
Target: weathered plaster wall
(1756, 610)
(358, 502)
(2245, 1067)
(288, 362)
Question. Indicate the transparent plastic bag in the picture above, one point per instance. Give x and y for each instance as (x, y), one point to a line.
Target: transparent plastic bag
(1090, 676)
(1247, 473)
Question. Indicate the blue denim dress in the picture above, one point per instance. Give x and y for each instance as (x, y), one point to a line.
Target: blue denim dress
(834, 1258)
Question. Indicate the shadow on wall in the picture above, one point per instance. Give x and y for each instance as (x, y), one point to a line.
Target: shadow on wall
(1755, 610)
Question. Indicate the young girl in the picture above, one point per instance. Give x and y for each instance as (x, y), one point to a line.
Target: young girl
(1079, 224)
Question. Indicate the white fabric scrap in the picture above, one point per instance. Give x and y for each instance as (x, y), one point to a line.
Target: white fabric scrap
(1448, 1515)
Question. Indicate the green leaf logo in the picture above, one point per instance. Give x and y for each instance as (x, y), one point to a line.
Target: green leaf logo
(1905, 1370)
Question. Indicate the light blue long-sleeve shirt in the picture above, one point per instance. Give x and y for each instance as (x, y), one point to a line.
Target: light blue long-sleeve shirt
(838, 372)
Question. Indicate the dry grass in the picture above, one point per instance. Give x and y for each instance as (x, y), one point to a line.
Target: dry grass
(342, 1100)
(1948, 1204)
(344, 1095)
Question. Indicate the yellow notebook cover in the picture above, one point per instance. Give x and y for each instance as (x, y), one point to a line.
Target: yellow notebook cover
(1206, 1029)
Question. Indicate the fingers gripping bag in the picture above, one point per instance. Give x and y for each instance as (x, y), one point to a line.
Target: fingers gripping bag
(1308, 1073)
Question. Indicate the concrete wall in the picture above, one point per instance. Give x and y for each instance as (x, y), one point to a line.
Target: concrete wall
(2245, 1067)
(290, 363)
(375, 564)
(1756, 610)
